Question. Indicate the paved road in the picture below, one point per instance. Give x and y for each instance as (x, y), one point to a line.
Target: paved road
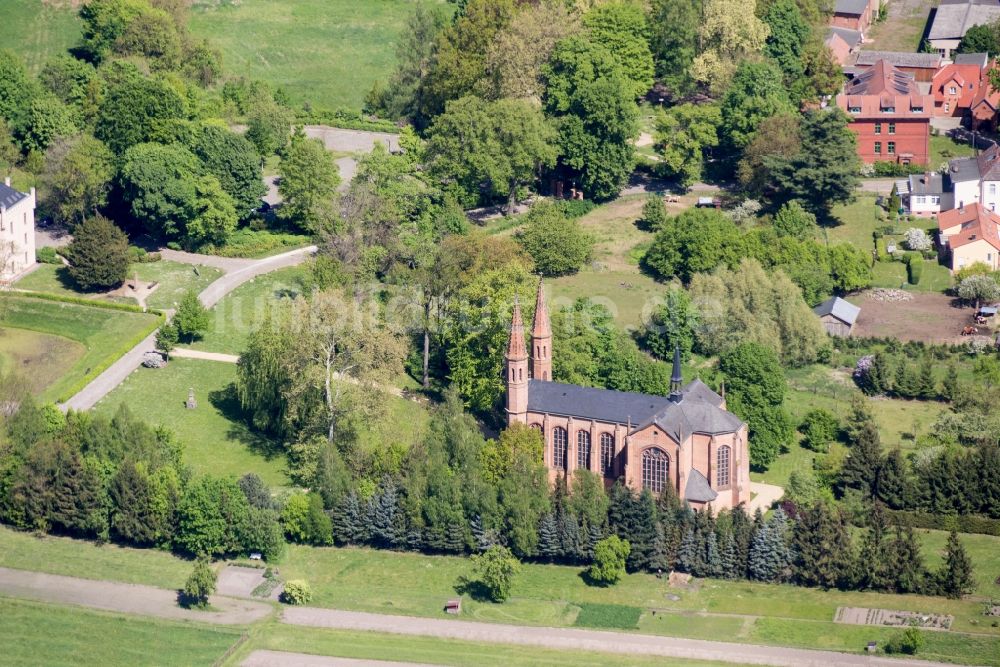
(285, 659)
(588, 640)
(238, 271)
(126, 598)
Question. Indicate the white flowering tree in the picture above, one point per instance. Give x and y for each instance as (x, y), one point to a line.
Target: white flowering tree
(917, 239)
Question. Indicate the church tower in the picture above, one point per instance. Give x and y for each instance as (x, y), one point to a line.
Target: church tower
(676, 379)
(541, 340)
(517, 370)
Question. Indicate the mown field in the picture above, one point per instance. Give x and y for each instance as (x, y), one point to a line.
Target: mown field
(40, 29)
(104, 335)
(43, 634)
(328, 53)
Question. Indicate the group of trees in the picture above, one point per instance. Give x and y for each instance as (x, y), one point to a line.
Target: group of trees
(132, 127)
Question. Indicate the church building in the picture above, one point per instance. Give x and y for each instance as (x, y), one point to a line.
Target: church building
(687, 439)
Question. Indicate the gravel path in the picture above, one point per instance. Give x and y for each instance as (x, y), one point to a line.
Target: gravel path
(184, 353)
(238, 271)
(766, 495)
(284, 659)
(588, 640)
(126, 598)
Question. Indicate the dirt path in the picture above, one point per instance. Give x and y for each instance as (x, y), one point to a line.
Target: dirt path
(588, 640)
(285, 659)
(765, 496)
(238, 271)
(184, 353)
(126, 598)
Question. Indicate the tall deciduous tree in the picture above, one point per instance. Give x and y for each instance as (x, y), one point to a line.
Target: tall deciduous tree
(233, 160)
(674, 41)
(133, 106)
(309, 179)
(558, 244)
(160, 183)
(730, 31)
(620, 26)
(756, 93)
(683, 135)
(595, 113)
(493, 146)
(77, 177)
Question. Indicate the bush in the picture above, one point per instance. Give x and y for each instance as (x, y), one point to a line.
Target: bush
(297, 591)
(909, 642)
(609, 560)
(575, 208)
(200, 585)
(916, 239)
(137, 255)
(819, 427)
(247, 242)
(886, 168)
(47, 255)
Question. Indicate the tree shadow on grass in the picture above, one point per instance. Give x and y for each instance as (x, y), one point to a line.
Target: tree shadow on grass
(590, 581)
(474, 589)
(225, 401)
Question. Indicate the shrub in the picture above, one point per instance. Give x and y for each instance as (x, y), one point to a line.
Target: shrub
(199, 585)
(916, 239)
(297, 591)
(819, 428)
(191, 318)
(609, 560)
(47, 255)
(909, 641)
(914, 267)
(98, 255)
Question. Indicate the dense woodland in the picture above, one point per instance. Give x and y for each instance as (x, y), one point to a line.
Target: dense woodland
(499, 98)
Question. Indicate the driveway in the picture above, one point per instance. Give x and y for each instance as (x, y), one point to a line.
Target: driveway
(238, 271)
(126, 598)
(588, 640)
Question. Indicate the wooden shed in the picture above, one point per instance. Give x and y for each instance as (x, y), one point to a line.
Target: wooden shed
(838, 316)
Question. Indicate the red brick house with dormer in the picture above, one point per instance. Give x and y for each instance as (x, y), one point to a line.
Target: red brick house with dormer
(889, 115)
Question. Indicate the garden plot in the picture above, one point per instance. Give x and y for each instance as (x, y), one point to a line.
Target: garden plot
(892, 618)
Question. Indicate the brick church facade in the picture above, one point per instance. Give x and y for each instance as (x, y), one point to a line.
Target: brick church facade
(687, 439)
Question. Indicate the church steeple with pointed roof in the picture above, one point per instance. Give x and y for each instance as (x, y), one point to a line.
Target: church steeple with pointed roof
(517, 368)
(541, 339)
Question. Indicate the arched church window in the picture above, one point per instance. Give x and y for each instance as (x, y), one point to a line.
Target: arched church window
(607, 454)
(582, 449)
(722, 466)
(559, 447)
(655, 469)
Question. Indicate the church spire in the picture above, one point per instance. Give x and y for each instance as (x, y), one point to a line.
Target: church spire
(517, 369)
(541, 338)
(675, 377)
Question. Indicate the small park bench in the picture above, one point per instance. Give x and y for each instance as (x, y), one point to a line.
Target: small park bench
(453, 606)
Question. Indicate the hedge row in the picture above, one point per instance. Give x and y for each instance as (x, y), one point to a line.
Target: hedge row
(111, 358)
(963, 523)
(346, 119)
(79, 300)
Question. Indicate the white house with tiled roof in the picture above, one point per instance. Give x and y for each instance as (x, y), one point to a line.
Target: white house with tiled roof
(17, 231)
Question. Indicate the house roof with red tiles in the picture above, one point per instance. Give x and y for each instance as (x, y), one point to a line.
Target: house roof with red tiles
(975, 224)
(885, 91)
(964, 78)
(986, 94)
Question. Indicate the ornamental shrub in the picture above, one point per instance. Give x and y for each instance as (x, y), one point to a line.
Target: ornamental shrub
(297, 592)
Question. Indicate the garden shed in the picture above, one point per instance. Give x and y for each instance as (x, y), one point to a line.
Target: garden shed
(837, 315)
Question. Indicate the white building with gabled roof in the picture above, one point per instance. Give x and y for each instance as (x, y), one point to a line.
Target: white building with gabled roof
(17, 231)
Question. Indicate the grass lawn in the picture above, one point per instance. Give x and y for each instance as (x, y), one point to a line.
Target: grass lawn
(174, 280)
(89, 560)
(944, 148)
(39, 30)
(427, 650)
(44, 634)
(232, 319)
(40, 358)
(104, 335)
(903, 28)
(214, 441)
(327, 52)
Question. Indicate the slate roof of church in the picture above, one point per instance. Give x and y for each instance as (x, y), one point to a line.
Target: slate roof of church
(9, 196)
(699, 410)
(698, 489)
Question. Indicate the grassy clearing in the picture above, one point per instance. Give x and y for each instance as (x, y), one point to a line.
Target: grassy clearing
(173, 279)
(44, 634)
(39, 30)
(944, 148)
(78, 558)
(902, 29)
(232, 319)
(214, 440)
(102, 333)
(40, 358)
(616, 616)
(326, 52)
(427, 650)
